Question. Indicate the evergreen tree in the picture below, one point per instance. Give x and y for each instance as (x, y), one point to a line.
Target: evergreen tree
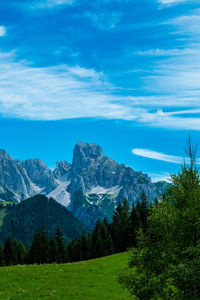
(107, 246)
(1, 256)
(143, 210)
(97, 241)
(39, 250)
(8, 252)
(52, 251)
(134, 223)
(60, 245)
(120, 227)
(84, 248)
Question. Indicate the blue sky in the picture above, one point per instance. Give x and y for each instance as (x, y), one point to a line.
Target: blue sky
(124, 74)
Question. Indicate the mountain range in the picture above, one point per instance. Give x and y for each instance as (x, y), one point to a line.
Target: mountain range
(90, 187)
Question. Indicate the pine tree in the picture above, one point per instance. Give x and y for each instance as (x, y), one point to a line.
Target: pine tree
(143, 211)
(1, 256)
(134, 224)
(8, 252)
(60, 245)
(52, 251)
(39, 250)
(120, 227)
(97, 241)
(107, 240)
(84, 248)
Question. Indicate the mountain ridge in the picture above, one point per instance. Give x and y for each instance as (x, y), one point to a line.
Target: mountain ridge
(90, 187)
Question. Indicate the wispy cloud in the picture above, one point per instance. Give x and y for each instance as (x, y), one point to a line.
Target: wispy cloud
(171, 2)
(167, 52)
(2, 31)
(157, 155)
(55, 93)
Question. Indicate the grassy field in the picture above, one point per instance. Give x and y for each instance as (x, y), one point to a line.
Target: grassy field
(94, 279)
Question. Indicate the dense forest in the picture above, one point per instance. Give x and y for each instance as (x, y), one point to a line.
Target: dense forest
(105, 239)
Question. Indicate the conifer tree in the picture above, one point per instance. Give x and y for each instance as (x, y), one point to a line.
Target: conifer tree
(97, 241)
(8, 252)
(84, 248)
(52, 251)
(39, 250)
(1, 256)
(134, 226)
(120, 227)
(60, 245)
(107, 246)
(143, 210)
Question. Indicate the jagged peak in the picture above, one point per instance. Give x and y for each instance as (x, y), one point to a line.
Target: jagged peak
(5, 155)
(85, 154)
(34, 161)
(89, 149)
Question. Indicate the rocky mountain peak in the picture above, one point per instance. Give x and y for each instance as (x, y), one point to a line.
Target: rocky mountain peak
(85, 154)
(62, 168)
(40, 174)
(4, 155)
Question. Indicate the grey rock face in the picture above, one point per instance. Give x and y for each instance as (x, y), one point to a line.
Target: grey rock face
(91, 168)
(14, 176)
(103, 183)
(62, 168)
(40, 174)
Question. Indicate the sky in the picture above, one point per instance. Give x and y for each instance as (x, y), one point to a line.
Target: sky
(124, 74)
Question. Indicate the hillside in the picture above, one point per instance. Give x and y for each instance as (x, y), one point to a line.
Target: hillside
(94, 279)
(21, 221)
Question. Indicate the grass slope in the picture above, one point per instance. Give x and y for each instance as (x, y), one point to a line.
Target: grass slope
(94, 279)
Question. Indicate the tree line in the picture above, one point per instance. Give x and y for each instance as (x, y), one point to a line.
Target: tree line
(106, 238)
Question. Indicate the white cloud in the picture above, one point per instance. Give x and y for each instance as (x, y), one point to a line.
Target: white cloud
(55, 93)
(64, 92)
(2, 31)
(171, 2)
(157, 155)
(167, 52)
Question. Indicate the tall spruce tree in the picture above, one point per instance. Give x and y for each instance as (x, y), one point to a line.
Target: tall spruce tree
(39, 250)
(120, 227)
(52, 251)
(134, 225)
(8, 252)
(97, 241)
(1, 256)
(60, 245)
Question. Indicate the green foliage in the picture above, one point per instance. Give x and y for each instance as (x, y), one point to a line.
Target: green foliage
(166, 263)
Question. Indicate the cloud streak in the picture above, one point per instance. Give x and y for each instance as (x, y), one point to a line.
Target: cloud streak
(157, 155)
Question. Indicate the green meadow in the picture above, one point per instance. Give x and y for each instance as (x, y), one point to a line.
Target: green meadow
(93, 279)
